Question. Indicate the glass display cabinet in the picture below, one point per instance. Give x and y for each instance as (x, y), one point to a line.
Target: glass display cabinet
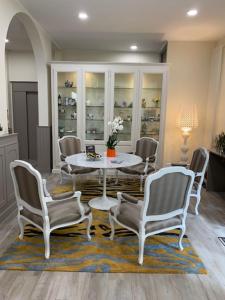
(86, 96)
(123, 102)
(94, 106)
(67, 103)
(151, 94)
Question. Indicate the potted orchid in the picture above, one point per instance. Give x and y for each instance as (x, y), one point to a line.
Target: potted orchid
(115, 127)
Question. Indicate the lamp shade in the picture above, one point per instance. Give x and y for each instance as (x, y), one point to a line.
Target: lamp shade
(188, 119)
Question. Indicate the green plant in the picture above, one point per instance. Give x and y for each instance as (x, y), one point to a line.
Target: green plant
(112, 141)
(220, 142)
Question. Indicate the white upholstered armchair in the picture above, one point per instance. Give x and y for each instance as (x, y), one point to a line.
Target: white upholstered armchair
(37, 207)
(69, 145)
(164, 207)
(147, 149)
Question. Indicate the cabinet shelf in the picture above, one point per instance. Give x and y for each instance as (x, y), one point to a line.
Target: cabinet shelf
(152, 88)
(95, 87)
(64, 87)
(94, 133)
(123, 107)
(151, 107)
(67, 119)
(98, 106)
(150, 121)
(95, 120)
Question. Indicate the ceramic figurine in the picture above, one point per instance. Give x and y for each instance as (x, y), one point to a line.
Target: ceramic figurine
(59, 100)
(143, 103)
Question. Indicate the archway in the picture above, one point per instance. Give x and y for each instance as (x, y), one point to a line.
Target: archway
(40, 57)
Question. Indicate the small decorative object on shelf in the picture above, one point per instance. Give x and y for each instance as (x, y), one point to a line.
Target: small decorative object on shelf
(115, 127)
(1, 128)
(143, 103)
(220, 142)
(130, 105)
(156, 101)
(124, 104)
(73, 116)
(59, 100)
(68, 84)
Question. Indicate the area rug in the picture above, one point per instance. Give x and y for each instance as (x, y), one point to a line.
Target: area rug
(72, 252)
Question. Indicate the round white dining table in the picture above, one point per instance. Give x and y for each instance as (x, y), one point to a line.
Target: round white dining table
(121, 160)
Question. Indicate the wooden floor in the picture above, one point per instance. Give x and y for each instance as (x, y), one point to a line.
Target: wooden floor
(203, 232)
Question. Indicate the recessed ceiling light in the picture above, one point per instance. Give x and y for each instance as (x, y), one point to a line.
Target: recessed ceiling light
(7, 40)
(83, 15)
(192, 13)
(133, 47)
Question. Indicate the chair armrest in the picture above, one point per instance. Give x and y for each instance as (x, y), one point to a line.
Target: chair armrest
(129, 198)
(146, 165)
(46, 193)
(66, 195)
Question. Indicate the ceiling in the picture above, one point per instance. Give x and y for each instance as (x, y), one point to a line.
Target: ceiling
(116, 24)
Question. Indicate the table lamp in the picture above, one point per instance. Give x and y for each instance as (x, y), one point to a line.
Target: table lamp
(187, 121)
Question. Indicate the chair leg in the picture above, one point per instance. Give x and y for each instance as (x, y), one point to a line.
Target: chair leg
(117, 177)
(198, 199)
(141, 247)
(21, 226)
(141, 183)
(89, 226)
(182, 232)
(46, 233)
(111, 221)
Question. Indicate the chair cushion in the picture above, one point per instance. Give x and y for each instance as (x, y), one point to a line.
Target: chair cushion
(137, 169)
(78, 170)
(129, 215)
(60, 212)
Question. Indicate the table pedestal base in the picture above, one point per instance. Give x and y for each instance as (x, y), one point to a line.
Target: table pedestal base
(103, 203)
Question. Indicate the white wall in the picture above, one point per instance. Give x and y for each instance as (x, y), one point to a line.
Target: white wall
(189, 79)
(41, 44)
(21, 66)
(216, 101)
(107, 56)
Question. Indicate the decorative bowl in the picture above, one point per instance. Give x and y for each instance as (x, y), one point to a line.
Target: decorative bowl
(93, 156)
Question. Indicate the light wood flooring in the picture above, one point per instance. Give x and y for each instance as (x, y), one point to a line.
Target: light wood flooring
(203, 232)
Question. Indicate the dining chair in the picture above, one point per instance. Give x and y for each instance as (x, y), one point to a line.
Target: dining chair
(164, 207)
(37, 207)
(69, 145)
(147, 149)
(198, 165)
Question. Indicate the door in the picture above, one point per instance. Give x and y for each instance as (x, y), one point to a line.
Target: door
(32, 123)
(124, 105)
(25, 118)
(2, 178)
(95, 110)
(151, 96)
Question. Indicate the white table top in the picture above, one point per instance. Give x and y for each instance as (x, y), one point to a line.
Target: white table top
(126, 159)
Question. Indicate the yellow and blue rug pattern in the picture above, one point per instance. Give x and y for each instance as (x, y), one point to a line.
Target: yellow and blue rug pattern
(72, 252)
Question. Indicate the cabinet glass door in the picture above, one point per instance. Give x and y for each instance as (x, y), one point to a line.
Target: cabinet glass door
(151, 105)
(123, 102)
(94, 103)
(67, 103)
